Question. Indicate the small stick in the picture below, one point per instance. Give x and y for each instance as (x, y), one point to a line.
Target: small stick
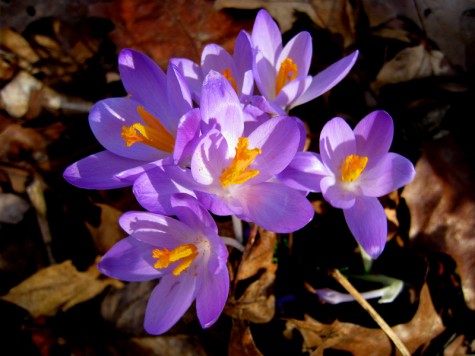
(374, 314)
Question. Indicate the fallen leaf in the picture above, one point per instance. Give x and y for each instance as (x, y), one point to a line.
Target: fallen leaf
(125, 308)
(58, 287)
(183, 345)
(15, 43)
(166, 29)
(252, 299)
(412, 63)
(12, 208)
(441, 202)
(241, 341)
(19, 14)
(338, 17)
(449, 24)
(16, 142)
(416, 334)
(108, 233)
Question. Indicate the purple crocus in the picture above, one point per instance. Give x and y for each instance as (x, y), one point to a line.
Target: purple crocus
(185, 253)
(236, 68)
(354, 168)
(281, 73)
(154, 122)
(233, 174)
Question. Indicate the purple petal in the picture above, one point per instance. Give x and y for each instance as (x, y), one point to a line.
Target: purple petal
(108, 117)
(156, 230)
(210, 158)
(374, 134)
(337, 141)
(275, 207)
(99, 171)
(243, 58)
(218, 259)
(212, 297)
(141, 76)
(132, 174)
(336, 195)
(367, 222)
(265, 75)
(191, 212)
(278, 139)
(179, 96)
(305, 172)
(299, 49)
(187, 133)
(392, 172)
(215, 57)
(292, 91)
(169, 301)
(193, 75)
(266, 36)
(328, 78)
(220, 106)
(129, 260)
(154, 188)
(214, 204)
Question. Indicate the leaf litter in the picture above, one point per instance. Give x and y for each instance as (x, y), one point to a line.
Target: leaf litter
(416, 63)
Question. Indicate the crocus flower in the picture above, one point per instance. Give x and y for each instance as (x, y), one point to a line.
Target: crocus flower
(354, 168)
(236, 68)
(281, 73)
(185, 253)
(232, 174)
(154, 122)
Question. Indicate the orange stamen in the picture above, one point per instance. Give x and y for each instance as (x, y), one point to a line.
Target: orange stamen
(186, 254)
(352, 168)
(152, 134)
(288, 71)
(237, 171)
(227, 74)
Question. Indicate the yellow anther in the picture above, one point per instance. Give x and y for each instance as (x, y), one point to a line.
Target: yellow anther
(352, 168)
(186, 254)
(288, 71)
(237, 171)
(153, 134)
(228, 75)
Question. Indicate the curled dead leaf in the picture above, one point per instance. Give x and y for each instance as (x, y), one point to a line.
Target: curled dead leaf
(58, 287)
(253, 299)
(412, 63)
(416, 334)
(241, 341)
(442, 207)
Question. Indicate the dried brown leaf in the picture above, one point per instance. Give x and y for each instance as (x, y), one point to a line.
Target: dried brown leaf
(447, 23)
(16, 44)
(12, 208)
(183, 345)
(108, 233)
(442, 206)
(16, 140)
(256, 274)
(412, 63)
(424, 326)
(125, 308)
(241, 341)
(58, 287)
(338, 16)
(166, 29)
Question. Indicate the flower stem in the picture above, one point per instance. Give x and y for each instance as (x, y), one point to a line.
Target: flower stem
(232, 242)
(237, 227)
(373, 313)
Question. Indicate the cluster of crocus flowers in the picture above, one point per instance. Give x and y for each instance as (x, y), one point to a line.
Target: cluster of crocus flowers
(217, 138)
